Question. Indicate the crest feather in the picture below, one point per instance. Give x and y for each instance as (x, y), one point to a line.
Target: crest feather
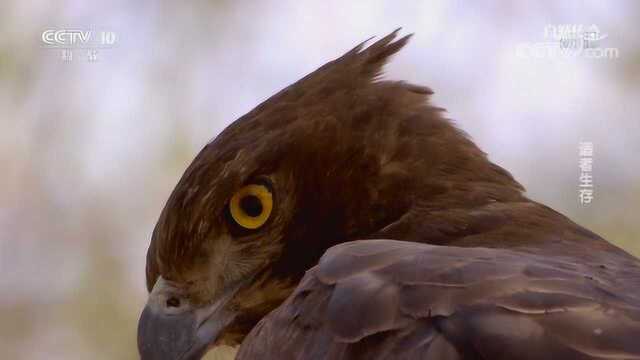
(371, 59)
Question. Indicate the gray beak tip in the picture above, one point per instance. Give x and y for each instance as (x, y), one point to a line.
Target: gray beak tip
(180, 332)
(168, 337)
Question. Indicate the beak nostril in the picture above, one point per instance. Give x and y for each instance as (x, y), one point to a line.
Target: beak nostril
(173, 302)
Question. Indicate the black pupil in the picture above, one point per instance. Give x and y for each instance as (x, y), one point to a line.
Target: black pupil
(251, 205)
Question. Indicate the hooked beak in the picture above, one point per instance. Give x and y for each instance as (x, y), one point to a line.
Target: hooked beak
(170, 328)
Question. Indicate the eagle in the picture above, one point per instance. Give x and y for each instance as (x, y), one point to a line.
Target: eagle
(346, 217)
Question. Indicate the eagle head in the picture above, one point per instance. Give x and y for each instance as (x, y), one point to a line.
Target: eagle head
(337, 156)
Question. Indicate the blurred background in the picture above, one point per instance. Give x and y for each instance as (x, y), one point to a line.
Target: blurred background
(91, 144)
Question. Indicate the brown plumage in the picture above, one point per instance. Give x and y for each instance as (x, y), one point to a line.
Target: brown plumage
(384, 299)
(481, 271)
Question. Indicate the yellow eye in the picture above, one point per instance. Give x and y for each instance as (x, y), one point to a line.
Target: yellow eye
(251, 206)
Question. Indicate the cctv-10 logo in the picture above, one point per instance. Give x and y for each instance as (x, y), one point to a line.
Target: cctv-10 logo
(66, 38)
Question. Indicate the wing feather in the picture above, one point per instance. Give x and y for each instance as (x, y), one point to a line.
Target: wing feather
(380, 299)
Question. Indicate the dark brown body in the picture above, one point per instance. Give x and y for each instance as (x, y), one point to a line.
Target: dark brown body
(349, 157)
(528, 284)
